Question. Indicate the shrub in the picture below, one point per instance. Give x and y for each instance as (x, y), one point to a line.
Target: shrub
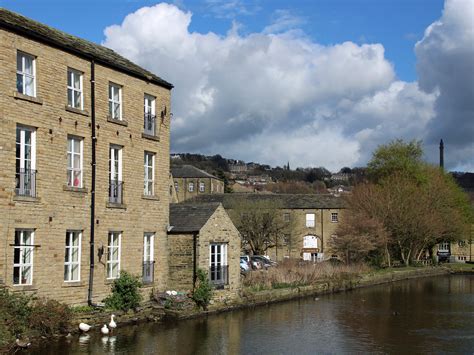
(125, 293)
(49, 317)
(202, 293)
(15, 309)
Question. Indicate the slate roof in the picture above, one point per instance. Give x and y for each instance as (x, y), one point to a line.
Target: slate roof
(285, 201)
(75, 45)
(189, 171)
(190, 217)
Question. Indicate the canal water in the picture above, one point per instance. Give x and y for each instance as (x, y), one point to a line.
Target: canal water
(426, 315)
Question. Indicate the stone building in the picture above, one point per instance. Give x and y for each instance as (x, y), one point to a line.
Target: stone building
(202, 235)
(190, 181)
(66, 202)
(308, 221)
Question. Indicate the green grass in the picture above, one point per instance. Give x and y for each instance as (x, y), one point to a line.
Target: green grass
(460, 267)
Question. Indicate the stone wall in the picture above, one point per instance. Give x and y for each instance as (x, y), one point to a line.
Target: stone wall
(180, 256)
(211, 185)
(59, 208)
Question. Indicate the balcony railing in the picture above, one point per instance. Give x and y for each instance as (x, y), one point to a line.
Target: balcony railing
(219, 275)
(25, 182)
(148, 271)
(116, 192)
(149, 124)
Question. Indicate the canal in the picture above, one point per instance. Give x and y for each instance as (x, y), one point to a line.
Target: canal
(426, 315)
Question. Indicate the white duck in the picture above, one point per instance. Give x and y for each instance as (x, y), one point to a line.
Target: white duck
(104, 330)
(84, 327)
(112, 324)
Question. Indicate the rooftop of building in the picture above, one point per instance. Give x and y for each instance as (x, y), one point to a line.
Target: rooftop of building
(189, 171)
(89, 50)
(284, 201)
(190, 217)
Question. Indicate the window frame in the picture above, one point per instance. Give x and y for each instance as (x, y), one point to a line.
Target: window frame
(68, 262)
(176, 186)
(72, 73)
(24, 74)
(112, 101)
(110, 247)
(334, 217)
(202, 186)
(147, 179)
(150, 256)
(222, 264)
(191, 187)
(286, 217)
(310, 223)
(151, 100)
(23, 248)
(75, 140)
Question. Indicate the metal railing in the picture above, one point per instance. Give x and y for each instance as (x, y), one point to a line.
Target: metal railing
(25, 182)
(219, 275)
(149, 124)
(116, 191)
(148, 271)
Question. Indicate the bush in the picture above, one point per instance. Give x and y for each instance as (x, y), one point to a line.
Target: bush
(15, 309)
(125, 293)
(49, 317)
(202, 293)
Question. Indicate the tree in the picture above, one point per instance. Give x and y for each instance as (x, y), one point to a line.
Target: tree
(397, 156)
(260, 224)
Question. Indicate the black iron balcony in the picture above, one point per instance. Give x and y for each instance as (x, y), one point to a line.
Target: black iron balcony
(148, 271)
(219, 275)
(149, 124)
(25, 182)
(116, 192)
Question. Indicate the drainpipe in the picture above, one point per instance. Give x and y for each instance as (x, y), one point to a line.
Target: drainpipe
(194, 259)
(93, 164)
(322, 230)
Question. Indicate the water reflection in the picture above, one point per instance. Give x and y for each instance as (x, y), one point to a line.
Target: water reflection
(431, 315)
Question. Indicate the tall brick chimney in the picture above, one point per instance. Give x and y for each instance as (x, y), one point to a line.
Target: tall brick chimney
(441, 154)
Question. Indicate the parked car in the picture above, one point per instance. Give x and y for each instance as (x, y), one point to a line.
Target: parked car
(244, 264)
(262, 262)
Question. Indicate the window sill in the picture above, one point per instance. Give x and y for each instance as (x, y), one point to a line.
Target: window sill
(110, 281)
(152, 197)
(81, 190)
(26, 199)
(76, 110)
(150, 137)
(22, 288)
(73, 284)
(33, 99)
(116, 121)
(120, 206)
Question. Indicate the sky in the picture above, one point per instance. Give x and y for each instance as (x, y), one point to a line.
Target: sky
(310, 82)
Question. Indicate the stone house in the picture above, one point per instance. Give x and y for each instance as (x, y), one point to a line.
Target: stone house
(190, 181)
(202, 235)
(309, 220)
(84, 165)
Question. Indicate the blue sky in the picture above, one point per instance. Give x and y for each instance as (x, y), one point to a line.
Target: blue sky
(397, 24)
(313, 82)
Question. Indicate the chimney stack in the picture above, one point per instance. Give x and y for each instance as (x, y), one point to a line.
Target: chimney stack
(441, 154)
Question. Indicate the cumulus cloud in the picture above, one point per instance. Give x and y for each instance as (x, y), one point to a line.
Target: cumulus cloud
(446, 65)
(276, 95)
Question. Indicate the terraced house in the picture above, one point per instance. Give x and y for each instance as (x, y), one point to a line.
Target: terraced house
(84, 165)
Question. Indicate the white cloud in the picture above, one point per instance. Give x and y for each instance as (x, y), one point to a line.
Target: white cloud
(273, 97)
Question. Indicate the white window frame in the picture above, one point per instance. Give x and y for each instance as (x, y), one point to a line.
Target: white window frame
(110, 251)
(68, 262)
(23, 145)
(202, 186)
(112, 102)
(149, 104)
(191, 187)
(444, 247)
(147, 178)
(71, 74)
(286, 217)
(115, 155)
(310, 220)
(176, 186)
(334, 217)
(222, 262)
(148, 246)
(25, 250)
(70, 155)
(22, 56)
